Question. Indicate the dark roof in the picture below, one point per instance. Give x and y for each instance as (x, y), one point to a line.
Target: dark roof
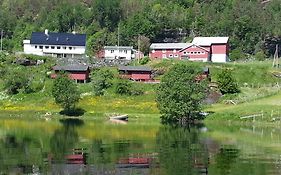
(68, 39)
(76, 67)
(134, 68)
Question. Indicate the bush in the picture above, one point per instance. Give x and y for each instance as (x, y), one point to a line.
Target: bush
(179, 96)
(17, 80)
(260, 56)
(125, 87)
(237, 54)
(144, 60)
(227, 84)
(102, 80)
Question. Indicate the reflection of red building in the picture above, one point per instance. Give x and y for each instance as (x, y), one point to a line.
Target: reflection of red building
(79, 73)
(137, 73)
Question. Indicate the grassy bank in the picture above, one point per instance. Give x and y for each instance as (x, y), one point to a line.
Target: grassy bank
(260, 93)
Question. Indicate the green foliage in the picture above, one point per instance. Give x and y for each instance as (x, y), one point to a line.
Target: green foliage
(17, 80)
(65, 92)
(102, 80)
(237, 54)
(227, 84)
(125, 87)
(179, 96)
(144, 60)
(260, 56)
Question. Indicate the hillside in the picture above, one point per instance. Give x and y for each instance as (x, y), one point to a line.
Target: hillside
(153, 20)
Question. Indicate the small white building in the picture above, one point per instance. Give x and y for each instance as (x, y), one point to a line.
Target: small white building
(58, 45)
(119, 52)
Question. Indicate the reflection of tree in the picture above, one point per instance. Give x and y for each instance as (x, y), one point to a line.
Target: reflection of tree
(64, 138)
(225, 158)
(180, 151)
(109, 153)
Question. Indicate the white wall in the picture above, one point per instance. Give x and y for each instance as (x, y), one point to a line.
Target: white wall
(52, 49)
(108, 54)
(219, 58)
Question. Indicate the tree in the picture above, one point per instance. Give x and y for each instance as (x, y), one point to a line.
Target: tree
(179, 96)
(65, 93)
(227, 84)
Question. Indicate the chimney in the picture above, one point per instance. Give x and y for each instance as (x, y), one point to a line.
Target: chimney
(46, 32)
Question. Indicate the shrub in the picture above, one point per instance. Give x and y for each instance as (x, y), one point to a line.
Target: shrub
(260, 56)
(17, 80)
(237, 54)
(123, 87)
(144, 60)
(102, 80)
(227, 84)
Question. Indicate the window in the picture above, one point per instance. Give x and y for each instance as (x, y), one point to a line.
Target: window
(36, 47)
(174, 51)
(58, 47)
(188, 52)
(52, 47)
(171, 56)
(46, 47)
(163, 51)
(176, 55)
(195, 52)
(125, 51)
(153, 51)
(191, 52)
(164, 56)
(112, 51)
(64, 48)
(184, 53)
(202, 52)
(40, 47)
(70, 48)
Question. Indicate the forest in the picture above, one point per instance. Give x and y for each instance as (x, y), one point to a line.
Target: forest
(253, 26)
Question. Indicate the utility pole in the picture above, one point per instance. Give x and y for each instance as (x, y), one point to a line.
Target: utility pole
(275, 58)
(1, 45)
(118, 41)
(139, 49)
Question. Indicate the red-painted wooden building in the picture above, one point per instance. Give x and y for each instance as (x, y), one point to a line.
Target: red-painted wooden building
(166, 50)
(213, 49)
(79, 73)
(136, 73)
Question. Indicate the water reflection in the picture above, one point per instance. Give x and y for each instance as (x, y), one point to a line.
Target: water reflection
(180, 151)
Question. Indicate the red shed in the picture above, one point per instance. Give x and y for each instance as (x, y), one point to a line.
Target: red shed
(77, 72)
(195, 53)
(137, 73)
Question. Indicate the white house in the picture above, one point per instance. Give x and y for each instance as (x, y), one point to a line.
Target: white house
(56, 44)
(119, 52)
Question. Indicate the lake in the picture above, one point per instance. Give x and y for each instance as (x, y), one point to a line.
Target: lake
(73, 146)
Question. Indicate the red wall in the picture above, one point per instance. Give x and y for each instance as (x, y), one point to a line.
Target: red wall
(145, 76)
(220, 49)
(83, 75)
(195, 56)
(158, 53)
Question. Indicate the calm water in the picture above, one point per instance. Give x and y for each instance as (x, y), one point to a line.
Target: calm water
(103, 148)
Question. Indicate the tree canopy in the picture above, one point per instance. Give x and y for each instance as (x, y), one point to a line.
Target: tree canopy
(179, 96)
(158, 21)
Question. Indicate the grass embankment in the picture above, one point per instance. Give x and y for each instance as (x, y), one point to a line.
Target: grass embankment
(259, 93)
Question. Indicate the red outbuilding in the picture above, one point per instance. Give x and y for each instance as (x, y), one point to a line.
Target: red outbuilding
(77, 72)
(136, 73)
(166, 50)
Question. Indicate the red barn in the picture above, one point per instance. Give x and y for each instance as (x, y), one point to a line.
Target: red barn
(195, 53)
(136, 73)
(79, 73)
(218, 47)
(166, 50)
